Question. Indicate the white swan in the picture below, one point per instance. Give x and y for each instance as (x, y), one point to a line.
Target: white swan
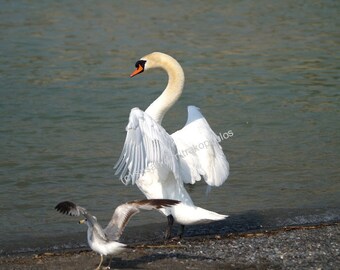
(160, 163)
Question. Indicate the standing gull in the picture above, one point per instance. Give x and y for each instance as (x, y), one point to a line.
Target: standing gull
(104, 241)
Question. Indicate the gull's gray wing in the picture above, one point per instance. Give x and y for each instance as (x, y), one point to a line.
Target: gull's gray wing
(70, 208)
(124, 212)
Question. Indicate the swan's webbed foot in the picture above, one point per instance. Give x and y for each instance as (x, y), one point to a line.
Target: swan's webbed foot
(167, 234)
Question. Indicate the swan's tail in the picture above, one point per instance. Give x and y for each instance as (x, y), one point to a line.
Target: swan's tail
(190, 214)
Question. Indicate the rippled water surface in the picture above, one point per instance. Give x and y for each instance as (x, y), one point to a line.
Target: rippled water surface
(266, 70)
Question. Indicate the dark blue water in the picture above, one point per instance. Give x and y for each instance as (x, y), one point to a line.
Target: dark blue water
(267, 70)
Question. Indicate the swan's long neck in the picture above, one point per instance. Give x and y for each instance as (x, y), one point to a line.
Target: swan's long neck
(172, 92)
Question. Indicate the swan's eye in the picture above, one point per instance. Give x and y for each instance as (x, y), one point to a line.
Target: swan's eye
(140, 63)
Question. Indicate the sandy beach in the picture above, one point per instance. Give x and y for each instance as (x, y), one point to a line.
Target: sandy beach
(294, 247)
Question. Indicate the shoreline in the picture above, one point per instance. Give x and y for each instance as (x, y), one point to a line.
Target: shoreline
(290, 247)
(248, 221)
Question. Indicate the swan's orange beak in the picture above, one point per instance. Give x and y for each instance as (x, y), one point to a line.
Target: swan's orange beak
(137, 71)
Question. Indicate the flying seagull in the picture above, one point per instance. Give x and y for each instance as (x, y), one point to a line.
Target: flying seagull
(105, 241)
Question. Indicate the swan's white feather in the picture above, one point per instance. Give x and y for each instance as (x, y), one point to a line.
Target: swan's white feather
(189, 153)
(146, 143)
(199, 151)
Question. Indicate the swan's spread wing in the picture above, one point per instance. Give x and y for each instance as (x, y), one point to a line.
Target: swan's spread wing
(125, 211)
(146, 143)
(199, 151)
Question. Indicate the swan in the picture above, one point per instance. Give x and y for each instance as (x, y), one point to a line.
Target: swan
(160, 164)
(104, 241)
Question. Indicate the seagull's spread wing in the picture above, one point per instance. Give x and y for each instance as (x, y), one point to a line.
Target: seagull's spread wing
(199, 151)
(146, 143)
(70, 208)
(125, 211)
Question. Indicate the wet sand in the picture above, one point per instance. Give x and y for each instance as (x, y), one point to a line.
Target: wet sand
(293, 247)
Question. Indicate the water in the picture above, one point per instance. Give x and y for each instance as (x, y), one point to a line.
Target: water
(267, 70)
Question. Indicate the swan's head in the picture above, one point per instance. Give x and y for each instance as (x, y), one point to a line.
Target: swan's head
(140, 67)
(152, 60)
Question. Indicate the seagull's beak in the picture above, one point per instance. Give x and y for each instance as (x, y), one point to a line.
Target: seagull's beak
(137, 71)
(82, 221)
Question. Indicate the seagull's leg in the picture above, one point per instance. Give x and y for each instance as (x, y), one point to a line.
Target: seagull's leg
(169, 227)
(101, 261)
(109, 265)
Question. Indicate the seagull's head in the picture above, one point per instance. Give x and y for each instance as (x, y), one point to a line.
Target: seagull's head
(88, 222)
